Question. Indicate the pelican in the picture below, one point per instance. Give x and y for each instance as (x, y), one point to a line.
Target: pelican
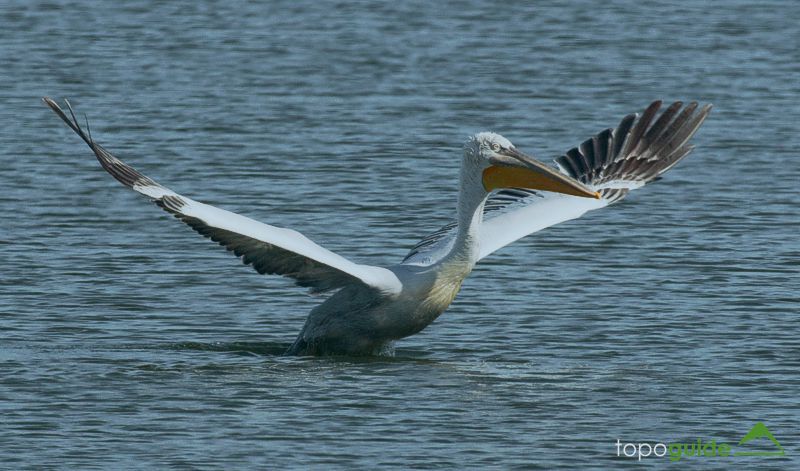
(504, 195)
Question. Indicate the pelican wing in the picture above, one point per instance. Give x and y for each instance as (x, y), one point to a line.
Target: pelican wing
(612, 162)
(268, 249)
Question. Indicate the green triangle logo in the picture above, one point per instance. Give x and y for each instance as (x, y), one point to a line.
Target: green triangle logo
(760, 430)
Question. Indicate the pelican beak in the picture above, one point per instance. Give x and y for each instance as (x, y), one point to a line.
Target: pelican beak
(513, 169)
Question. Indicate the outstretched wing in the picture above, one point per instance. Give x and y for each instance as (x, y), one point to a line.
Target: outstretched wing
(612, 162)
(268, 249)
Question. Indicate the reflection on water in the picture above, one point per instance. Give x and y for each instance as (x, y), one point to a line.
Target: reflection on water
(240, 348)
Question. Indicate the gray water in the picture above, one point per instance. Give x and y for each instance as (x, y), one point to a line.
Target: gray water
(129, 341)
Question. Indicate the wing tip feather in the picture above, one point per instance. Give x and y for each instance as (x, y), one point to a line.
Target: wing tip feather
(118, 169)
(642, 137)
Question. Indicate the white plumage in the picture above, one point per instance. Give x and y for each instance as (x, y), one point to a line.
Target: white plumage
(504, 195)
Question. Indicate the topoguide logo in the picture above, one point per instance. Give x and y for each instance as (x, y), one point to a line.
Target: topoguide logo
(710, 449)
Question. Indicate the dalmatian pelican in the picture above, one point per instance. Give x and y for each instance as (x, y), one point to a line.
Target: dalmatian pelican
(504, 195)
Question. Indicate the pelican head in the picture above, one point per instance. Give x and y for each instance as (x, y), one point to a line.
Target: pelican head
(503, 166)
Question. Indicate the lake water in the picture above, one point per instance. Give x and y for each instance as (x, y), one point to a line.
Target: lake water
(127, 341)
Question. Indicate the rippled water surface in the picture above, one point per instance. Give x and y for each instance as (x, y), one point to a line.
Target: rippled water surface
(128, 341)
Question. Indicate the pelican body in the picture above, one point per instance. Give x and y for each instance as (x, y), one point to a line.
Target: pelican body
(504, 195)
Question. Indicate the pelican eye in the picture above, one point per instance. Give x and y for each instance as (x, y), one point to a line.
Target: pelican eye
(495, 147)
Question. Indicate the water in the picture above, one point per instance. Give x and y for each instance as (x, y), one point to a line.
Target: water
(129, 341)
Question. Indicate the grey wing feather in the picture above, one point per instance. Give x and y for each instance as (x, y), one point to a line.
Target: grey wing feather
(268, 249)
(639, 149)
(264, 257)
